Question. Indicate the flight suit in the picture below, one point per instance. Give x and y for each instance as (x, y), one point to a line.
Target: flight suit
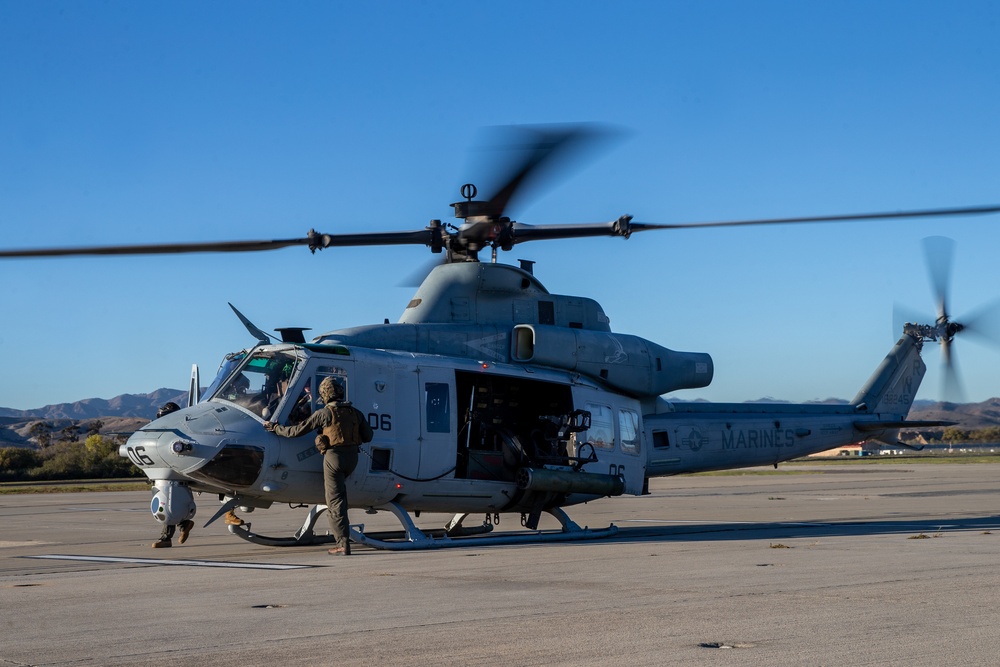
(338, 422)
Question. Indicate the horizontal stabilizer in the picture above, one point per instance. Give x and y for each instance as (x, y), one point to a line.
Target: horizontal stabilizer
(897, 443)
(884, 426)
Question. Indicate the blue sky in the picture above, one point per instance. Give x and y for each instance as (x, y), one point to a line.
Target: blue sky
(127, 122)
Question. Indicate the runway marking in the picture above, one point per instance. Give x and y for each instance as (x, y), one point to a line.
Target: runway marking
(105, 509)
(167, 561)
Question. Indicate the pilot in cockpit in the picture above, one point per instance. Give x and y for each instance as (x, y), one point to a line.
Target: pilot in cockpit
(275, 390)
(302, 408)
(237, 389)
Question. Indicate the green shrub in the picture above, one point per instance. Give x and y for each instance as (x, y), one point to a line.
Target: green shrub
(16, 461)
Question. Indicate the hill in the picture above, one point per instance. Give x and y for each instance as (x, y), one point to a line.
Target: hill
(968, 415)
(126, 405)
(120, 415)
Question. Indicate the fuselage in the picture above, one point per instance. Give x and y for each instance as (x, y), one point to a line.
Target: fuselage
(492, 395)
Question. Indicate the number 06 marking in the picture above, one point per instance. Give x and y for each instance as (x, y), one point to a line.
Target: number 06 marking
(380, 422)
(139, 457)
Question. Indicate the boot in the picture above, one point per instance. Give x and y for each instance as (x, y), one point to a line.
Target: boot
(232, 519)
(342, 549)
(161, 543)
(185, 527)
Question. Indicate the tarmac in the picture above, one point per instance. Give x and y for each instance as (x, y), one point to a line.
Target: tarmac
(860, 564)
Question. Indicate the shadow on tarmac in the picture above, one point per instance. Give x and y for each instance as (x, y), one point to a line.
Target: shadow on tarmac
(702, 532)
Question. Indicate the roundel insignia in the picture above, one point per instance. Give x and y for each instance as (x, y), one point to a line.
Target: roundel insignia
(694, 441)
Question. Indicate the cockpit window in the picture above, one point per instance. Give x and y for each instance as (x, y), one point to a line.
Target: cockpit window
(261, 383)
(231, 361)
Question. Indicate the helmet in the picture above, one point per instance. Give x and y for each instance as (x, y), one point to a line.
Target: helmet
(167, 408)
(330, 390)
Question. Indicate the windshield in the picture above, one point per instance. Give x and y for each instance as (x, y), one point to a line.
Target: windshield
(260, 383)
(227, 366)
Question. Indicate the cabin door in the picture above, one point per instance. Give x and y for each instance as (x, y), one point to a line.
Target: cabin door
(438, 420)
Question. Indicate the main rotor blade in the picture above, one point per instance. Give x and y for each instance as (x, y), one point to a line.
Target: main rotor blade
(925, 213)
(314, 241)
(524, 232)
(939, 251)
(156, 248)
(541, 147)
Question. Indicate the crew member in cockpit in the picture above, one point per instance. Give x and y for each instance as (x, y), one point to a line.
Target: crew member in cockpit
(302, 408)
(237, 390)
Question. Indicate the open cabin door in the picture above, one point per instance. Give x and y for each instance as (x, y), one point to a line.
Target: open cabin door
(507, 423)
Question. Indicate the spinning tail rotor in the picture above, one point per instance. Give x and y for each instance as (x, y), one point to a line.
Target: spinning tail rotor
(983, 323)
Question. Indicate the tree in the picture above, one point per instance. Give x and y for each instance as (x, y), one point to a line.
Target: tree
(41, 432)
(954, 436)
(988, 435)
(70, 434)
(102, 460)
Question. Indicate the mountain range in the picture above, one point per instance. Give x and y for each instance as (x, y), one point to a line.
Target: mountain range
(126, 405)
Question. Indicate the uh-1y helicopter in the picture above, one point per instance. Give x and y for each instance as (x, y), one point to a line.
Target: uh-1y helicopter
(490, 395)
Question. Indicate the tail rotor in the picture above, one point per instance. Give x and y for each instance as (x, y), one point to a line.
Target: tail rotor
(983, 323)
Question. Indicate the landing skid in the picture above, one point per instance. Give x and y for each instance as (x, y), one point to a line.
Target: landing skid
(303, 537)
(412, 538)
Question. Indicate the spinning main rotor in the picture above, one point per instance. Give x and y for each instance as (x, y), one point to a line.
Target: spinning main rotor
(484, 223)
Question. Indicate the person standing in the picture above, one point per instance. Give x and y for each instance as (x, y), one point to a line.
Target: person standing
(186, 525)
(342, 430)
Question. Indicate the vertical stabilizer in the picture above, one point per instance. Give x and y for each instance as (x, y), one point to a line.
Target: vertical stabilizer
(194, 386)
(893, 386)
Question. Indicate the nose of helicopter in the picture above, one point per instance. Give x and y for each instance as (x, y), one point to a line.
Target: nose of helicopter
(220, 441)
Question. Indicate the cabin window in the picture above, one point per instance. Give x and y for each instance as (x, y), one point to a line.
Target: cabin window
(661, 439)
(438, 410)
(380, 459)
(546, 312)
(602, 427)
(628, 428)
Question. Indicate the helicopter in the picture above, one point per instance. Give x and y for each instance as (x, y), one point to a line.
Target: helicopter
(490, 395)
